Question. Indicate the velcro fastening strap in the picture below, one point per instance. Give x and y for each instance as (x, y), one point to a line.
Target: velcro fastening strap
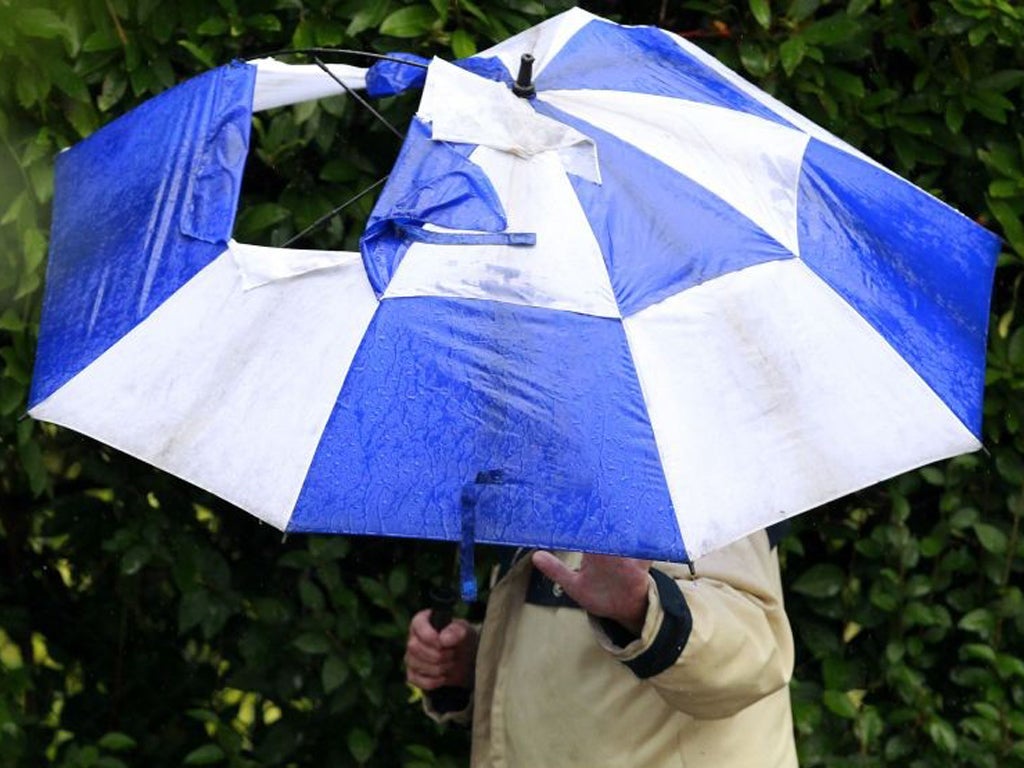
(543, 591)
(433, 237)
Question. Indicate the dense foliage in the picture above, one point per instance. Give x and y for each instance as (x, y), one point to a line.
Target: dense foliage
(145, 623)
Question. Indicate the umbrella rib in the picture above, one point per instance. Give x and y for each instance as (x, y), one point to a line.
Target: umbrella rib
(334, 212)
(346, 51)
(357, 97)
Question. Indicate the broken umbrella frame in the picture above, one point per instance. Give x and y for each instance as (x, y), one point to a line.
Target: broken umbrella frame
(644, 310)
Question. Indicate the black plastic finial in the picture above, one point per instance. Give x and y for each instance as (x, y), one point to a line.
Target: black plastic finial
(523, 87)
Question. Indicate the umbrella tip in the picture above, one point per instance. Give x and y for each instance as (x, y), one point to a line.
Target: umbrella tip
(523, 87)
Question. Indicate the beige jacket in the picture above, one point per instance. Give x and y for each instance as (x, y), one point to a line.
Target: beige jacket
(553, 690)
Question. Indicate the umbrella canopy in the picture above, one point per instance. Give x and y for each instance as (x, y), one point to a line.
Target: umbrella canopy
(645, 311)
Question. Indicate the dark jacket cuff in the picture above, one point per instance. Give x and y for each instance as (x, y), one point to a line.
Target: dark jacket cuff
(668, 643)
(448, 699)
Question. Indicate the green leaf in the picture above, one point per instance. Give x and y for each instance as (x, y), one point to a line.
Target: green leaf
(1011, 222)
(943, 735)
(398, 581)
(215, 26)
(266, 22)
(822, 580)
(964, 518)
(1002, 81)
(799, 10)
(992, 105)
(204, 56)
(755, 59)
(102, 40)
(258, 218)
(841, 703)
(1009, 666)
(192, 609)
(980, 621)
(869, 726)
(311, 596)
(361, 661)
(305, 34)
(375, 591)
(117, 742)
(135, 559)
(955, 114)
(366, 18)
(762, 12)
(208, 754)
(334, 673)
(832, 30)
(411, 21)
(203, 715)
(791, 53)
(1005, 188)
(340, 170)
(991, 538)
(12, 396)
(68, 81)
(312, 643)
(9, 321)
(114, 87)
(463, 45)
(40, 22)
(857, 7)
(987, 711)
(1015, 354)
(31, 456)
(361, 745)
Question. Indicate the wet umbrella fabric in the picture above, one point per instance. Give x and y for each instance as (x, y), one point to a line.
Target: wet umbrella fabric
(646, 312)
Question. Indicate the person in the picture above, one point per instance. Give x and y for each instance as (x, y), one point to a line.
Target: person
(587, 660)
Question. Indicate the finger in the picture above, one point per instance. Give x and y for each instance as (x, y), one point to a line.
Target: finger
(427, 654)
(420, 628)
(425, 669)
(556, 570)
(454, 635)
(427, 663)
(615, 563)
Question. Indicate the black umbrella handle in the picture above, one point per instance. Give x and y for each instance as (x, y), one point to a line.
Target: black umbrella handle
(447, 698)
(442, 601)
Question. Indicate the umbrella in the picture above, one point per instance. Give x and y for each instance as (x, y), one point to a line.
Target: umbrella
(627, 304)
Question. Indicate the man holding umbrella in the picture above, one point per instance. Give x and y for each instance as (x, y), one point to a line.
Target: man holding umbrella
(594, 661)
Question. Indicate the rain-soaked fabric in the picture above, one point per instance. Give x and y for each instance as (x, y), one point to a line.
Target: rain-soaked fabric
(678, 314)
(140, 207)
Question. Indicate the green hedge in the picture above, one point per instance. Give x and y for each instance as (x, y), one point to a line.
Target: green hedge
(145, 623)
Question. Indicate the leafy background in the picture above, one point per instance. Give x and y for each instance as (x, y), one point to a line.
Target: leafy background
(143, 622)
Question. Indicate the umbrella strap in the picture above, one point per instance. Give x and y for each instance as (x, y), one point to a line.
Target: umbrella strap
(429, 236)
(470, 498)
(467, 571)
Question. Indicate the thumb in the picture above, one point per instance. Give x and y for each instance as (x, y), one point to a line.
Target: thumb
(556, 570)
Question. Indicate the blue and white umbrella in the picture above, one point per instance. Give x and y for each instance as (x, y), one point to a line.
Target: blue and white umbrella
(646, 311)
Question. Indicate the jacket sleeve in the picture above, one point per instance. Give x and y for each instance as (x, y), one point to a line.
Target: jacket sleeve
(454, 705)
(714, 641)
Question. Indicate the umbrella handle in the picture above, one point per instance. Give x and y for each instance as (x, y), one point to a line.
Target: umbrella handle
(442, 600)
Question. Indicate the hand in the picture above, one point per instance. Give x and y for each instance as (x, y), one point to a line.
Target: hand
(435, 659)
(608, 587)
